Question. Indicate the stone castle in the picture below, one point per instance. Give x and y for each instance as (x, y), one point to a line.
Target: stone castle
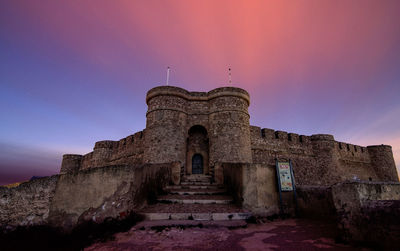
(199, 150)
(201, 130)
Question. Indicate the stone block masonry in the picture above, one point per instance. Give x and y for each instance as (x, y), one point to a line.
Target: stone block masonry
(320, 160)
(365, 212)
(207, 134)
(27, 204)
(99, 193)
(215, 124)
(91, 195)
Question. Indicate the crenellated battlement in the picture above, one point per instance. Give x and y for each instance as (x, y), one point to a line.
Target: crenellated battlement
(336, 161)
(267, 135)
(128, 150)
(197, 96)
(222, 113)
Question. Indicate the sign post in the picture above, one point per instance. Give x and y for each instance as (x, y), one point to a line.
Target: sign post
(284, 173)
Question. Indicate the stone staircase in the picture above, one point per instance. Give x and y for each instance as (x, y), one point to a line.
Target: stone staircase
(195, 201)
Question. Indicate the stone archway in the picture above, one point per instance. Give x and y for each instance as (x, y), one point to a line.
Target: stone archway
(197, 151)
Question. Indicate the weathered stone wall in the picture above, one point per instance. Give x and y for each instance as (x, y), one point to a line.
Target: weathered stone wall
(98, 193)
(71, 163)
(377, 225)
(254, 187)
(172, 111)
(320, 160)
(382, 162)
(165, 126)
(26, 204)
(127, 151)
(354, 201)
(223, 112)
(316, 202)
(366, 212)
(229, 130)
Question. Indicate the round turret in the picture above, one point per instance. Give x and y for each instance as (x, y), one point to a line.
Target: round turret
(70, 163)
(166, 117)
(229, 125)
(383, 162)
(102, 152)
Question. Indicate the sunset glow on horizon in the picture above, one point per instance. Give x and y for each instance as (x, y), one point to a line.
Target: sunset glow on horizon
(76, 72)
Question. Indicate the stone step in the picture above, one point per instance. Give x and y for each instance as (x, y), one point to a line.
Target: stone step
(187, 178)
(185, 191)
(191, 183)
(190, 208)
(196, 181)
(157, 224)
(196, 216)
(209, 186)
(197, 176)
(161, 211)
(196, 199)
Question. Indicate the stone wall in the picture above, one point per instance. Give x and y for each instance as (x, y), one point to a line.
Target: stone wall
(126, 151)
(365, 212)
(254, 187)
(166, 120)
(172, 111)
(229, 130)
(361, 209)
(26, 204)
(99, 193)
(223, 113)
(316, 202)
(320, 160)
(90, 195)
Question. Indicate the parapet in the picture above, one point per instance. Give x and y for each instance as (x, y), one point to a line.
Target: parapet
(70, 163)
(324, 137)
(197, 96)
(380, 147)
(275, 136)
(105, 144)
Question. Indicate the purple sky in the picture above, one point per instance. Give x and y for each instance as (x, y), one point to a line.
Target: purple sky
(76, 72)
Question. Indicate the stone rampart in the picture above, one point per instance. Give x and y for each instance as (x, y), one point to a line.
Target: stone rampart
(254, 187)
(368, 212)
(126, 151)
(320, 160)
(93, 195)
(365, 212)
(105, 192)
(27, 204)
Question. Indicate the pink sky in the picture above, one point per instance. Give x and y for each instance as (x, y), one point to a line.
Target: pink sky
(74, 72)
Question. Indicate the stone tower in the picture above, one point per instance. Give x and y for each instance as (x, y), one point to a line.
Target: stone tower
(197, 127)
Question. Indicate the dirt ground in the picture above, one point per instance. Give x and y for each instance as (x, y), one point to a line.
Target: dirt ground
(290, 234)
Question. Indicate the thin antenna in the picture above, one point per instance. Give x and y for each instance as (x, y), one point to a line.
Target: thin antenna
(168, 70)
(230, 76)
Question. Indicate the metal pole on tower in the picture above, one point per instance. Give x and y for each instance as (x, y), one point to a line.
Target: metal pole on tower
(168, 75)
(230, 76)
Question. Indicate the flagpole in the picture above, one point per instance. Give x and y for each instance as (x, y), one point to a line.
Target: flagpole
(230, 76)
(168, 75)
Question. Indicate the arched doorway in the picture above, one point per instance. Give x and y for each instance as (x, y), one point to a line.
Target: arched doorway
(197, 164)
(197, 151)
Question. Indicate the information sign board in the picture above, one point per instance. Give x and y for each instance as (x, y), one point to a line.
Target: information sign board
(285, 176)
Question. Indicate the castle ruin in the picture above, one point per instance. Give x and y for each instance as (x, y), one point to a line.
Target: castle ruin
(199, 148)
(201, 130)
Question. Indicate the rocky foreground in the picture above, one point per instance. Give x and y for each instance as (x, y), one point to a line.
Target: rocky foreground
(287, 234)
